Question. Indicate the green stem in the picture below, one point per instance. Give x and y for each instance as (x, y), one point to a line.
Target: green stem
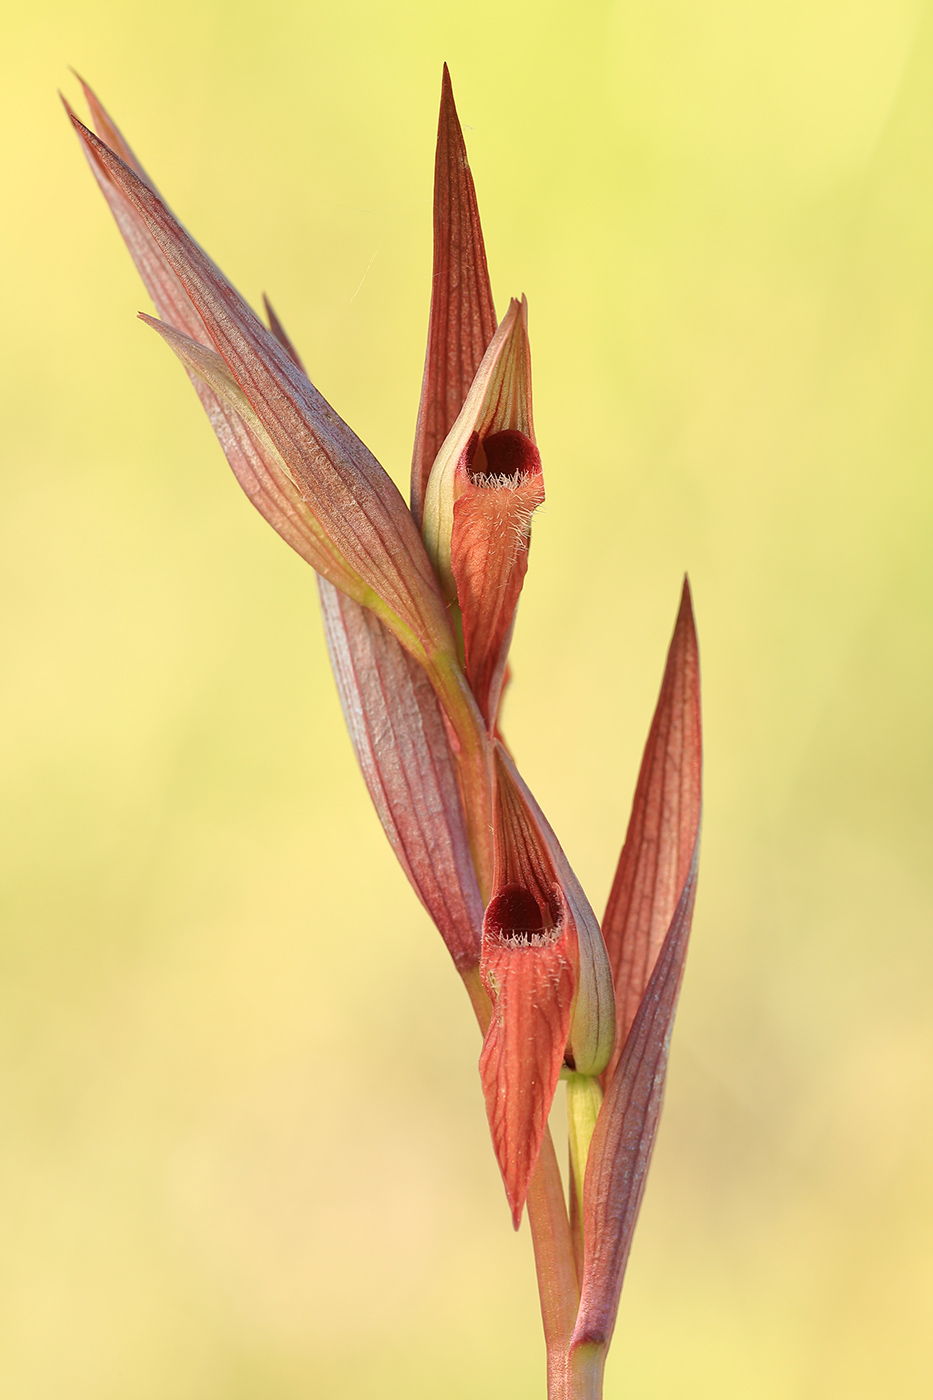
(585, 1366)
(584, 1097)
(558, 1286)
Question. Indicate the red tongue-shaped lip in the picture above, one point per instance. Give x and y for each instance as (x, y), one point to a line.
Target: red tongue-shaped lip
(508, 454)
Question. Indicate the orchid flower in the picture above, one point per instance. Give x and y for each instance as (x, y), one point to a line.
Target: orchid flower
(419, 606)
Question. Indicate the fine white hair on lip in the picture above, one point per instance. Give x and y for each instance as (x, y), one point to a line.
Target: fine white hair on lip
(522, 938)
(519, 517)
(499, 481)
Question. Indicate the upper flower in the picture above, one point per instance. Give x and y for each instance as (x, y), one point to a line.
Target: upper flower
(484, 487)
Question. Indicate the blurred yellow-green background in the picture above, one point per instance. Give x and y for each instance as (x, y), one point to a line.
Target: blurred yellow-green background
(243, 1153)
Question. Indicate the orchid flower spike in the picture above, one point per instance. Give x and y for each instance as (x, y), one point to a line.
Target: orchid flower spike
(419, 608)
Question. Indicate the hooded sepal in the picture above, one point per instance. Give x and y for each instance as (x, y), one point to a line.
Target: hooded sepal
(592, 1032)
(485, 486)
(662, 830)
(498, 398)
(463, 317)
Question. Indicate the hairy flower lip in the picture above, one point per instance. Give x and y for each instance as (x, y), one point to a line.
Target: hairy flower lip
(529, 980)
(527, 965)
(490, 541)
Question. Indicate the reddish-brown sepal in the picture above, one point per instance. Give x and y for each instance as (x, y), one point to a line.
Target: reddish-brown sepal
(662, 830)
(656, 880)
(463, 318)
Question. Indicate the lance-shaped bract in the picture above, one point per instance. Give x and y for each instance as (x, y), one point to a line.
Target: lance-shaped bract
(662, 829)
(620, 1151)
(485, 486)
(398, 733)
(273, 494)
(365, 540)
(400, 740)
(305, 470)
(111, 135)
(462, 318)
(545, 969)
